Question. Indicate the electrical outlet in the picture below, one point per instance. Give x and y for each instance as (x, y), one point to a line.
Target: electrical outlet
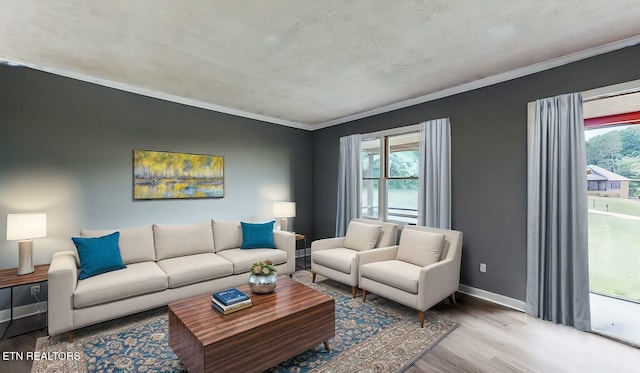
(35, 289)
(483, 267)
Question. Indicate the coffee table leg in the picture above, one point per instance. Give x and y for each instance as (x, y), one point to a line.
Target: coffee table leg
(326, 345)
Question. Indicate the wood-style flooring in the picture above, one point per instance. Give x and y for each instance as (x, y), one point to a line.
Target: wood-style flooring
(493, 338)
(490, 338)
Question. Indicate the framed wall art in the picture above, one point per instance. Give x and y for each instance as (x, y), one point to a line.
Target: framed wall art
(169, 175)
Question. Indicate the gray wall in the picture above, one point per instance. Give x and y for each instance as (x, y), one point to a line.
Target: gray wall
(66, 149)
(489, 142)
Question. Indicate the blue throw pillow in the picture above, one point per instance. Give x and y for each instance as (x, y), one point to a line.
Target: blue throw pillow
(98, 254)
(257, 235)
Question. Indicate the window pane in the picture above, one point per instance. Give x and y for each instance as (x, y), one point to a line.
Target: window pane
(403, 155)
(402, 200)
(370, 158)
(369, 202)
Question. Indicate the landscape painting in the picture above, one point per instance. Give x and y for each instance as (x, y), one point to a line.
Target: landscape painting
(168, 175)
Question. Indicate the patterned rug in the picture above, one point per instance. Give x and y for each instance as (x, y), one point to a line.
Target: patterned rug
(376, 336)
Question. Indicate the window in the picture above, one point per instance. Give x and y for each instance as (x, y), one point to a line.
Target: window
(390, 175)
(370, 178)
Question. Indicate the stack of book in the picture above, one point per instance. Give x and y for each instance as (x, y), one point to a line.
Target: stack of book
(230, 300)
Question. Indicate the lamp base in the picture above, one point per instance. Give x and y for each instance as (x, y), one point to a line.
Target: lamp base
(284, 224)
(25, 257)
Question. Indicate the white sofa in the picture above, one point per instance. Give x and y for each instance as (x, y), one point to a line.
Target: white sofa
(164, 263)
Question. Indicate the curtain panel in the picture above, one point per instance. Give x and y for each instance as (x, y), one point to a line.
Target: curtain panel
(349, 178)
(434, 177)
(557, 221)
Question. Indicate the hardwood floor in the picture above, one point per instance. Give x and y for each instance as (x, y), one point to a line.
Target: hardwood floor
(20, 343)
(490, 338)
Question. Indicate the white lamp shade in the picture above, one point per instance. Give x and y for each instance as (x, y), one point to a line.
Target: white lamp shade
(284, 209)
(26, 226)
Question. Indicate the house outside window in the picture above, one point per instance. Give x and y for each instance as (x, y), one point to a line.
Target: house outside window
(390, 175)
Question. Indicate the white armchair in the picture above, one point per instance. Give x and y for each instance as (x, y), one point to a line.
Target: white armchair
(338, 258)
(421, 271)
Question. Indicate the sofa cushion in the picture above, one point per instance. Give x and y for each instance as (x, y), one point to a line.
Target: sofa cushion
(98, 254)
(339, 259)
(242, 259)
(419, 247)
(185, 270)
(182, 239)
(136, 243)
(227, 234)
(257, 235)
(361, 236)
(137, 279)
(395, 273)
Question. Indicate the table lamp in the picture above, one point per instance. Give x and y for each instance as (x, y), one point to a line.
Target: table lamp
(23, 228)
(284, 210)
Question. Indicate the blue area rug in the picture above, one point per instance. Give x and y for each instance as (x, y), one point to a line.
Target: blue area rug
(376, 336)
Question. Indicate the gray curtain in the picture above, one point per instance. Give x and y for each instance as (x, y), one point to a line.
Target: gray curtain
(434, 178)
(349, 176)
(557, 247)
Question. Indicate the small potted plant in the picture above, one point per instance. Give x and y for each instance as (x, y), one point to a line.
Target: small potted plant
(262, 277)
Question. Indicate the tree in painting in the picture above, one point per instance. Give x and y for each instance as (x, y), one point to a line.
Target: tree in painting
(166, 175)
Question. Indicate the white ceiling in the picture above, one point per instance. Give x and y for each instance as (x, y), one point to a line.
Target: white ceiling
(308, 64)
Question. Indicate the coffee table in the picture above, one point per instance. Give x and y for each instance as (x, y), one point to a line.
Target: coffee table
(279, 325)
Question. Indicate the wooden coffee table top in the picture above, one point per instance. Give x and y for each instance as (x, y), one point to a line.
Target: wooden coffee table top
(289, 298)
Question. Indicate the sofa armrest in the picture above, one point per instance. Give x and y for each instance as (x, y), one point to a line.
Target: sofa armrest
(437, 281)
(378, 255)
(286, 241)
(63, 279)
(327, 243)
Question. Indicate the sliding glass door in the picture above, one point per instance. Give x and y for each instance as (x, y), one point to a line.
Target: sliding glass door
(613, 175)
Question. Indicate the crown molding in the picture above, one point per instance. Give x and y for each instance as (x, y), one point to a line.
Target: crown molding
(160, 95)
(487, 81)
(480, 83)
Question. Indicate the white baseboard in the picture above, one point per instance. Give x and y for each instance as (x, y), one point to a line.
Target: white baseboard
(5, 315)
(307, 252)
(493, 297)
(23, 311)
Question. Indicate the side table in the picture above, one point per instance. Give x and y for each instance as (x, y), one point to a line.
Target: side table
(303, 238)
(9, 278)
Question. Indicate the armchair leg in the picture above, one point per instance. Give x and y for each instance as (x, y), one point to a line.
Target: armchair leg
(421, 318)
(353, 291)
(70, 336)
(453, 298)
(364, 295)
(313, 277)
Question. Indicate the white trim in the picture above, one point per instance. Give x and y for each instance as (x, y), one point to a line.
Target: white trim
(23, 311)
(480, 83)
(163, 96)
(490, 80)
(383, 208)
(626, 87)
(307, 252)
(5, 315)
(391, 132)
(493, 297)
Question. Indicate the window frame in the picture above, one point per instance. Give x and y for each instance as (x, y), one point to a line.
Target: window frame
(383, 177)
